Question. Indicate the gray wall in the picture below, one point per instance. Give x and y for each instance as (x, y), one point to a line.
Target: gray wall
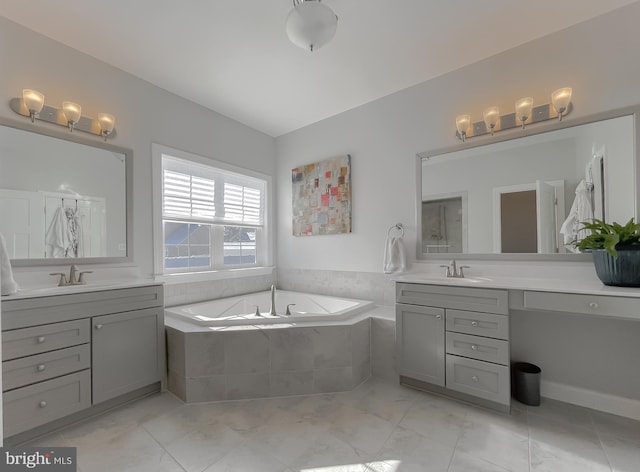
(144, 114)
(597, 58)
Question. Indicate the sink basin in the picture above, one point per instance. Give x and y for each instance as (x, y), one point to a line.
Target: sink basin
(455, 280)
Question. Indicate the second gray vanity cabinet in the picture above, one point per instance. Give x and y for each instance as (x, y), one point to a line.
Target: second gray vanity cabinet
(454, 340)
(420, 342)
(127, 352)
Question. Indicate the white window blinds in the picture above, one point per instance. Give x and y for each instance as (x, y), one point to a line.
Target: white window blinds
(202, 193)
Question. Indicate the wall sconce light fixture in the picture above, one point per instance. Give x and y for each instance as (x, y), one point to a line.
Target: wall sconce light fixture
(106, 122)
(525, 113)
(72, 112)
(70, 115)
(524, 107)
(491, 117)
(560, 100)
(33, 101)
(462, 124)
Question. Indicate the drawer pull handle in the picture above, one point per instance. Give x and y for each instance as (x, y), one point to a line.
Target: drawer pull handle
(41, 339)
(475, 378)
(41, 367)
(474, 324)
(42, 404)
(438, 317)
(593, 305)
(474, 347)
(99, 326)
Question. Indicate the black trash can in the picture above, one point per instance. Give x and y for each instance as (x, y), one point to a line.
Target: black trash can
(526, 383)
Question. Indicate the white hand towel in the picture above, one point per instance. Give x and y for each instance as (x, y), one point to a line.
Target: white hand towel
(394, 257)
(9, 286)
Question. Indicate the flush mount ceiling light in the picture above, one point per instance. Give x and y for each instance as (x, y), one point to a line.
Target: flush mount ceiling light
(311, 24)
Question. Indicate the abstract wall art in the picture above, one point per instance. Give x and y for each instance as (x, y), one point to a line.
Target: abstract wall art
(322, 197)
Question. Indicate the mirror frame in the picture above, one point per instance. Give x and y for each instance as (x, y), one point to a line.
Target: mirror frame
(97, 143)
(513, 134)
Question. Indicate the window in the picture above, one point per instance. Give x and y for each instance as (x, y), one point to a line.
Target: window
(213, 215)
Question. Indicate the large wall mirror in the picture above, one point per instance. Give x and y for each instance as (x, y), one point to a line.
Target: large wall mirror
(510, 197)
(63, 198)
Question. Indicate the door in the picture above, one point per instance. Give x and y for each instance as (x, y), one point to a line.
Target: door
(126, 350)
(546, 217)
(420, 342)
(22, 223)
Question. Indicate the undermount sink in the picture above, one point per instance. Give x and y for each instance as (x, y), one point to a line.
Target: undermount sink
(456, 280)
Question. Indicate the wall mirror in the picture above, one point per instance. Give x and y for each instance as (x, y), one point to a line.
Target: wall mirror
(63, 198)
(508, 197)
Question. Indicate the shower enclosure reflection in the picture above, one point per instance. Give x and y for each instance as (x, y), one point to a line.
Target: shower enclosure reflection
(444, 224)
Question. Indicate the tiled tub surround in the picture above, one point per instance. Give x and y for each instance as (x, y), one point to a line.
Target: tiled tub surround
(211, 364)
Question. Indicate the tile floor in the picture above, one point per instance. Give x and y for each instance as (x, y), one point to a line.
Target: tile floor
(378, 427)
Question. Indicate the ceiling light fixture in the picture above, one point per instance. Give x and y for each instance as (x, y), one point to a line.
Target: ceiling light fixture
(311, 24)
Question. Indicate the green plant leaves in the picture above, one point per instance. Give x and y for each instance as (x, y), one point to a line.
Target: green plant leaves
(609, 236)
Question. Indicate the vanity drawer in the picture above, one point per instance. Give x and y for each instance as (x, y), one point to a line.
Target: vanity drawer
(477, 347)
(35, 405)
(480, 324)
(33, 369)
(619, 307)
(462, 298)
(480, 379)
(29, 341)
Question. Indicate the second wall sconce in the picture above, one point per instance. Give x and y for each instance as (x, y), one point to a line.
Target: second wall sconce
(70, 115)
(525, 113)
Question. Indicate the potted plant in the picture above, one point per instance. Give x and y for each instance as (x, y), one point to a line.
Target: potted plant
(616, 251)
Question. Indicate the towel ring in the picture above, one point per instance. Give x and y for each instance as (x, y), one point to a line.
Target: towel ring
(397, 227)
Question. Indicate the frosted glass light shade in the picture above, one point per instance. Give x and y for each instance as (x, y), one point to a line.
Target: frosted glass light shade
(33, 100)
(106, 122)
(524, 106)
(491, 117)
(72, 112)
(462, 125)
(311, 25)
(560, 100)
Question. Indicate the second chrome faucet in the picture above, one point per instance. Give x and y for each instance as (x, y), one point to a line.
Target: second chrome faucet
(452, 270)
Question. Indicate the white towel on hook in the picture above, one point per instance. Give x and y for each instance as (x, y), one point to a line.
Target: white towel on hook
(59, 237)
(8, 285)
(581, 211)
(394, 257)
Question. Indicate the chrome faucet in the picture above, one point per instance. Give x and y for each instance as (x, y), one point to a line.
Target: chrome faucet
(74, 278)
(272, 311)
(452, 270)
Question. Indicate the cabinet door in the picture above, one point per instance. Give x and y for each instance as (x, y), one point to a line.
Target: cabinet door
(126, 350)
(420, 342)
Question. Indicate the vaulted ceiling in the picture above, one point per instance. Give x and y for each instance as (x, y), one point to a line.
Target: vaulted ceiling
(233, 56)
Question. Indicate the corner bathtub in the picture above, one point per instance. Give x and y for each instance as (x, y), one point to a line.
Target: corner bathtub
(241, 310)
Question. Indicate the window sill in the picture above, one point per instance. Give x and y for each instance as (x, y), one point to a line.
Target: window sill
(185, 277)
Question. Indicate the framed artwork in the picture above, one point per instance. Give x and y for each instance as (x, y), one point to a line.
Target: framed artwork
(322, 197)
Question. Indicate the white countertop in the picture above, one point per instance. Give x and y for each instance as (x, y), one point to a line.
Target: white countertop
(588, 287)
(48, 290)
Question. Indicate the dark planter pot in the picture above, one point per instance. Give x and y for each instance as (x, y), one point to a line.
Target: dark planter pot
(621, 271)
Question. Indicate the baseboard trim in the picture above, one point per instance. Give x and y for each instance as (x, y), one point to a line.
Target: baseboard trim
(591, 399)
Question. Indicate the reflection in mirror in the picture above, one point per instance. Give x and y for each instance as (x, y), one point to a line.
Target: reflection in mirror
(61, 199)
(519, 196)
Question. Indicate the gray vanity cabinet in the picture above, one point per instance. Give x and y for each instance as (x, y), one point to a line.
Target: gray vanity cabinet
(455, 341)
(126, 350)
(71, 355)
(420, 342)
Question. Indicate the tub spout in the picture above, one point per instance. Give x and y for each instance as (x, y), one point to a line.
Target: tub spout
(272, 311)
